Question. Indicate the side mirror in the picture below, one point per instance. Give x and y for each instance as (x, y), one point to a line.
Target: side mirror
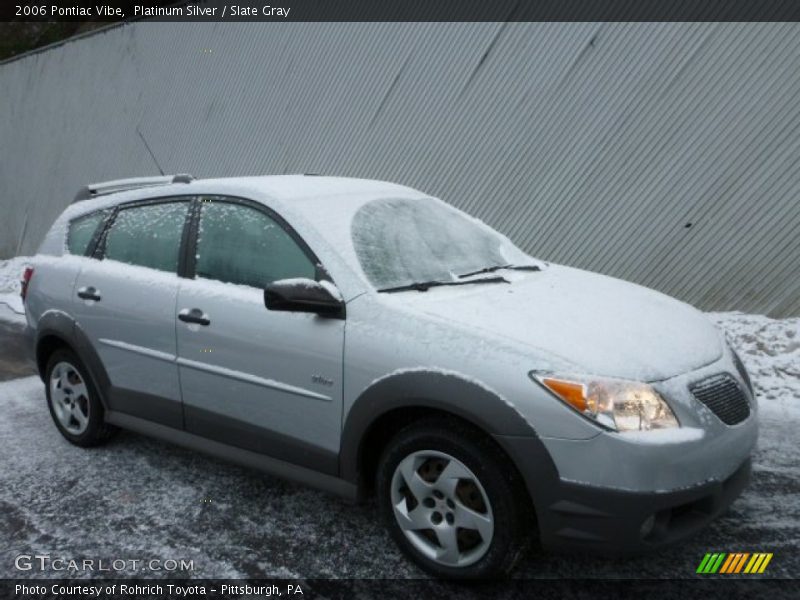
(303, 295)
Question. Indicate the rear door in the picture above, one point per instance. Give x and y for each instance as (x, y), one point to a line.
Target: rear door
(125, 304)
(266, 381)
(52, 287)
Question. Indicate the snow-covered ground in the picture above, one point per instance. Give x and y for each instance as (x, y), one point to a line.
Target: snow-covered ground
(138, 498)
(770, 349)
(11, 270)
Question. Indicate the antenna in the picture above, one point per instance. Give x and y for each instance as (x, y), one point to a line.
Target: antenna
(153, 156)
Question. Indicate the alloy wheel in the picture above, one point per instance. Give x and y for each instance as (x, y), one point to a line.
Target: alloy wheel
(442, 508)
(69, 398)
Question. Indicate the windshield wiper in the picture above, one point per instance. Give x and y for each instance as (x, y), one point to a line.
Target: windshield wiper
(424, 286)
(498, 267)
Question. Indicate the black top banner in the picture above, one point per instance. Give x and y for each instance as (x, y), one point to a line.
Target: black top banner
(400, 10)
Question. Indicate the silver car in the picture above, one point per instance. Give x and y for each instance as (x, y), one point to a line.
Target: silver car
(369, 340)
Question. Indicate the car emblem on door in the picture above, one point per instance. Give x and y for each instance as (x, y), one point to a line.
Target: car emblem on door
(321, 380)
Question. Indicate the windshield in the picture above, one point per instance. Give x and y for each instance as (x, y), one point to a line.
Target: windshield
(402, 241)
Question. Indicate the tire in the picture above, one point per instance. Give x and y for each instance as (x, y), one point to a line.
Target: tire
(74, 402)
(484, 485)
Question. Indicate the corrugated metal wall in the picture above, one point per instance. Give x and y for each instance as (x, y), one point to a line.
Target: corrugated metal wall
(665, 153)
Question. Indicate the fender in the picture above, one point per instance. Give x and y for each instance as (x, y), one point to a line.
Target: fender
(63, 326)
(450, 392)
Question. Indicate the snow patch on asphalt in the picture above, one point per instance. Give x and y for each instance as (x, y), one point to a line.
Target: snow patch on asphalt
(11, 308)
(11, 273)
(770, 350)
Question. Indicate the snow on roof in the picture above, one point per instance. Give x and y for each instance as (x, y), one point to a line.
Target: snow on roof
(283, 189)
(302, 187)
(320, 208)
(318, 198)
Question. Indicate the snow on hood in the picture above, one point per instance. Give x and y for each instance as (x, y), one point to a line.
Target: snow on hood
(603, 325)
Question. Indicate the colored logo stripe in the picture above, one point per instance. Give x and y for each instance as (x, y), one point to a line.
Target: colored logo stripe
(703, 563)
(711, 563)
(765, 563)
(738, 567)
(728, 562)
(732, 563)
(758, 563)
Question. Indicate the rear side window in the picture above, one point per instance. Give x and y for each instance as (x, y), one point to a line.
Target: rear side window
(242, 245)
(81, 231)
(148, 236)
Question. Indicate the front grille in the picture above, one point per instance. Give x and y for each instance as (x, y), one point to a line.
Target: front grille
(723, 396)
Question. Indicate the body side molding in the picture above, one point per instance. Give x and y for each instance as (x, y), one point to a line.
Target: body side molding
(165, 356)
(240, 456)
(249, 378)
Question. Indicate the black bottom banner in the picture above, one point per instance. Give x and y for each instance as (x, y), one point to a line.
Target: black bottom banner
(334, 589)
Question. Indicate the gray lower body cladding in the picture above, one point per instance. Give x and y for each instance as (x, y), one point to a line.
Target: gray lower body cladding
(580, 517)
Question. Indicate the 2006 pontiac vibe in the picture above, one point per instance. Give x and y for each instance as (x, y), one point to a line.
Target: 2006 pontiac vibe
(370, 340)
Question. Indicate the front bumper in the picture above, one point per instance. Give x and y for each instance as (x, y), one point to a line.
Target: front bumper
(612, 521)
(618, 522)
(621, 493)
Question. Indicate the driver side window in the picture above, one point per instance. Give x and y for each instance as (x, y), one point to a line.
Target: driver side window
(242, 245)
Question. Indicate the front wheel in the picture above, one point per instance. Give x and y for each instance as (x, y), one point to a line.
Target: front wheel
(451, 502)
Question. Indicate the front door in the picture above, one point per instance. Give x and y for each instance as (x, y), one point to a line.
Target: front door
(266, 381)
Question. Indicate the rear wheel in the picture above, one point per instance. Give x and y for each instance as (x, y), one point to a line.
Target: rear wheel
(73, 401)
(449, 502)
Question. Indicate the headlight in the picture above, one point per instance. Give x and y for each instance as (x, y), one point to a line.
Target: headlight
(614, 403)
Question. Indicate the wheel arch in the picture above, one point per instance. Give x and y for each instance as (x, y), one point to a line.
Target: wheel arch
(56, 330)
(393, 402)
(46, 345)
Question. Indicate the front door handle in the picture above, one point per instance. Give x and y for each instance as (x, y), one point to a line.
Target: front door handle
(194, 315)
(89, 293)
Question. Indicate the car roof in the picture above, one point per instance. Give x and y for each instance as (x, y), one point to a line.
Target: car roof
(303, 187)
(319, 208)
(297, 193)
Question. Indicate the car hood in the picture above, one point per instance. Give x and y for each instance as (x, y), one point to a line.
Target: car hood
(601, 325)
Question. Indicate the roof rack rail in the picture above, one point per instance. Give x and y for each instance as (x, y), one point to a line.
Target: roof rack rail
(120, 185)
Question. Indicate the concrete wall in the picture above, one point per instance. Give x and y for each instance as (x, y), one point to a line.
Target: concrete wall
(666, 154)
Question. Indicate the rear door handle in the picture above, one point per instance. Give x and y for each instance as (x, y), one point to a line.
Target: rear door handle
(194, 315)
(89, 293)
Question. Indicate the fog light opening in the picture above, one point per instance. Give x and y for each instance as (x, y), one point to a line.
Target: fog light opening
(647, 526)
